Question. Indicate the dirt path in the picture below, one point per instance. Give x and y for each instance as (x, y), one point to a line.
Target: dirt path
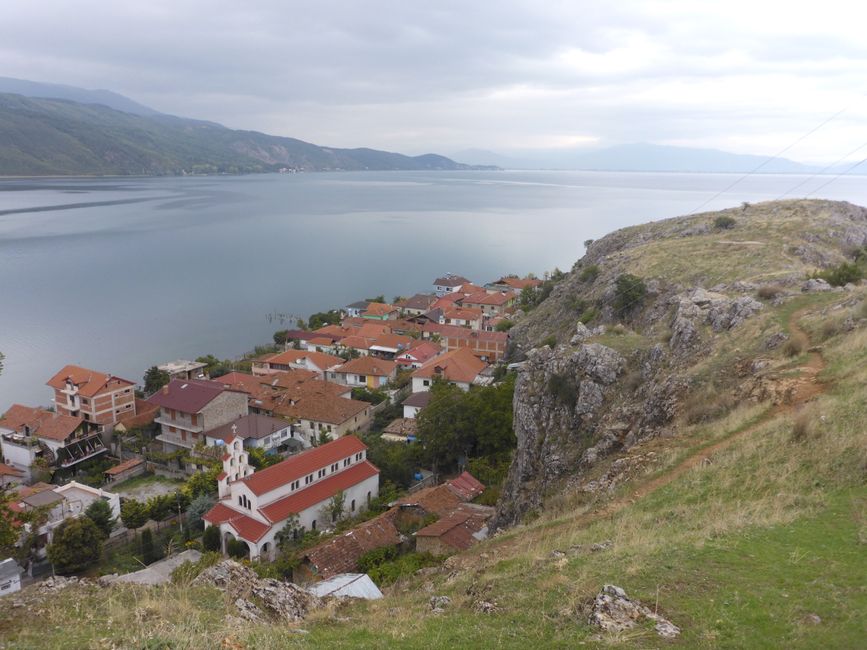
(806, 389)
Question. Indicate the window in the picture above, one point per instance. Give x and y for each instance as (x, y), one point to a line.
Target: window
(313, 525)
(321, 473)
(346, 462)
(352, 505)
(358, 456)
(294, 485)
(361, 379)
(368, 497)
(335, 467)
(425, 383)
(308, 479)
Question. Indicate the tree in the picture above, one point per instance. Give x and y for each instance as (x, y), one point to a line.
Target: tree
(379, 298)
(335, 506)
(159, 507)
(323, 318)
(629, 291)
(211, 539)
(202, 483)
(260, 460)
(198, 507)
(504, 325)
(288, 536)
(148, 554)
(133, 514)
(99, 512)
(77, 544)
(280, 337)
(324, 438)
(154, 379)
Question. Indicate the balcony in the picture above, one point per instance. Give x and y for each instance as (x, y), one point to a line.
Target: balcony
(179, 424)
(80, 449)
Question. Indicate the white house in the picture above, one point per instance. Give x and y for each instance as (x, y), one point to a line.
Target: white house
(368, 372)
(449, 283)
(415, 403)
(459, 367)
(255, 506)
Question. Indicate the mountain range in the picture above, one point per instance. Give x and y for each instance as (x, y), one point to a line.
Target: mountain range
(48, 129)
(642, 157)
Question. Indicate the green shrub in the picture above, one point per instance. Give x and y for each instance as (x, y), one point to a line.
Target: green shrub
(148, 553)
(590, 314)
(838, 276)
(504, 326)
(629, 291)
(376, 557)
(589, 273)
(550, 341)
(237, 549)
(724, 222)
(406, 565)
(211, 539)
(188, 571)
(77, 543)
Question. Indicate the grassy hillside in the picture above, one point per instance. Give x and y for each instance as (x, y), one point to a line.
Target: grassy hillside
(57, 137)
(747, 528)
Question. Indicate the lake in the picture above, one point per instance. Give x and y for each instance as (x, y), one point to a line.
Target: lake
(121, 274)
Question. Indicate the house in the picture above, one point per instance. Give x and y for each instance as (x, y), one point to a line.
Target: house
(10, 476)
(190, 408)
(257, 430)
(418, 354)
(319, 413)
(99, 399)
(341, 554)
(456, 531)
(415, 403)
(31, 436)
(126, 469)
(60, 503)
(490, 304)
(255, 505)
(513, 284)
(368, 372)
(459, 367)
(182, 369)
(318, 362)
(10, 577)
(438, 500)
(388, 346)
(417, 304)
(466, 486)
(449, 283)
(488, 346)
(355, 309)
(462, 317)
(380, 311)
(400, 430)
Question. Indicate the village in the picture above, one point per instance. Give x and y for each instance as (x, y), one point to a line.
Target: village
(271, 460)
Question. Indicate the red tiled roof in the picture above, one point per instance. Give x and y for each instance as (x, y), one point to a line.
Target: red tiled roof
(252, 425)
(247, 527)
(392, 341)
(379, 309)
(419, 400)
(456, 529)
(188, 395)
(89, 382)
(451, 281)
(319, 491)
(459, 365)
(466, 486)
(368, 366)
(485, 298)
(436, 500)
(125, 465)
(458, 313)
(42, 423)
(306, 462)
(319, 359)
(341, 554)
(454, 331)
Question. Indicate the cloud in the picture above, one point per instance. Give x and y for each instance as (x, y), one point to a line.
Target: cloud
(444, 76)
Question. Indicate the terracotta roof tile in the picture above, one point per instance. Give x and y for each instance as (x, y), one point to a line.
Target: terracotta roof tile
(435, 500)
(379, 309)
(341, 554)
(124, 466)
(89, 382)
(318, 491)
(459, 365)
(295, 467)
(319, 359)
(368, 366)
(466, 486)
(42, 423)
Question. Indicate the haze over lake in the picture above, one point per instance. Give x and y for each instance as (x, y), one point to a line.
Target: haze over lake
(122, 274)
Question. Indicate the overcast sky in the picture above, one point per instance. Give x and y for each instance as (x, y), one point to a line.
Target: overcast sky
(749, 76)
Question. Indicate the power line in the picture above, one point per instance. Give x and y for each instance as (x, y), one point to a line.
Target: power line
(775, 156)
(843, 173)
(821, 171)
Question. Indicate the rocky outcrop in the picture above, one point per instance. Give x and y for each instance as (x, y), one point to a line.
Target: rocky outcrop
(614, 611)
(255, 598)
(702, 307)
(558, 395)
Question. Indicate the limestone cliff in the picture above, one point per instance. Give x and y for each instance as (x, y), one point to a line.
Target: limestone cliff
(623, 371)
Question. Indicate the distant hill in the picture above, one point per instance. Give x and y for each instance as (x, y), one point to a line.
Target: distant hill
(73, 94)
(62, 137)
(639, 157)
